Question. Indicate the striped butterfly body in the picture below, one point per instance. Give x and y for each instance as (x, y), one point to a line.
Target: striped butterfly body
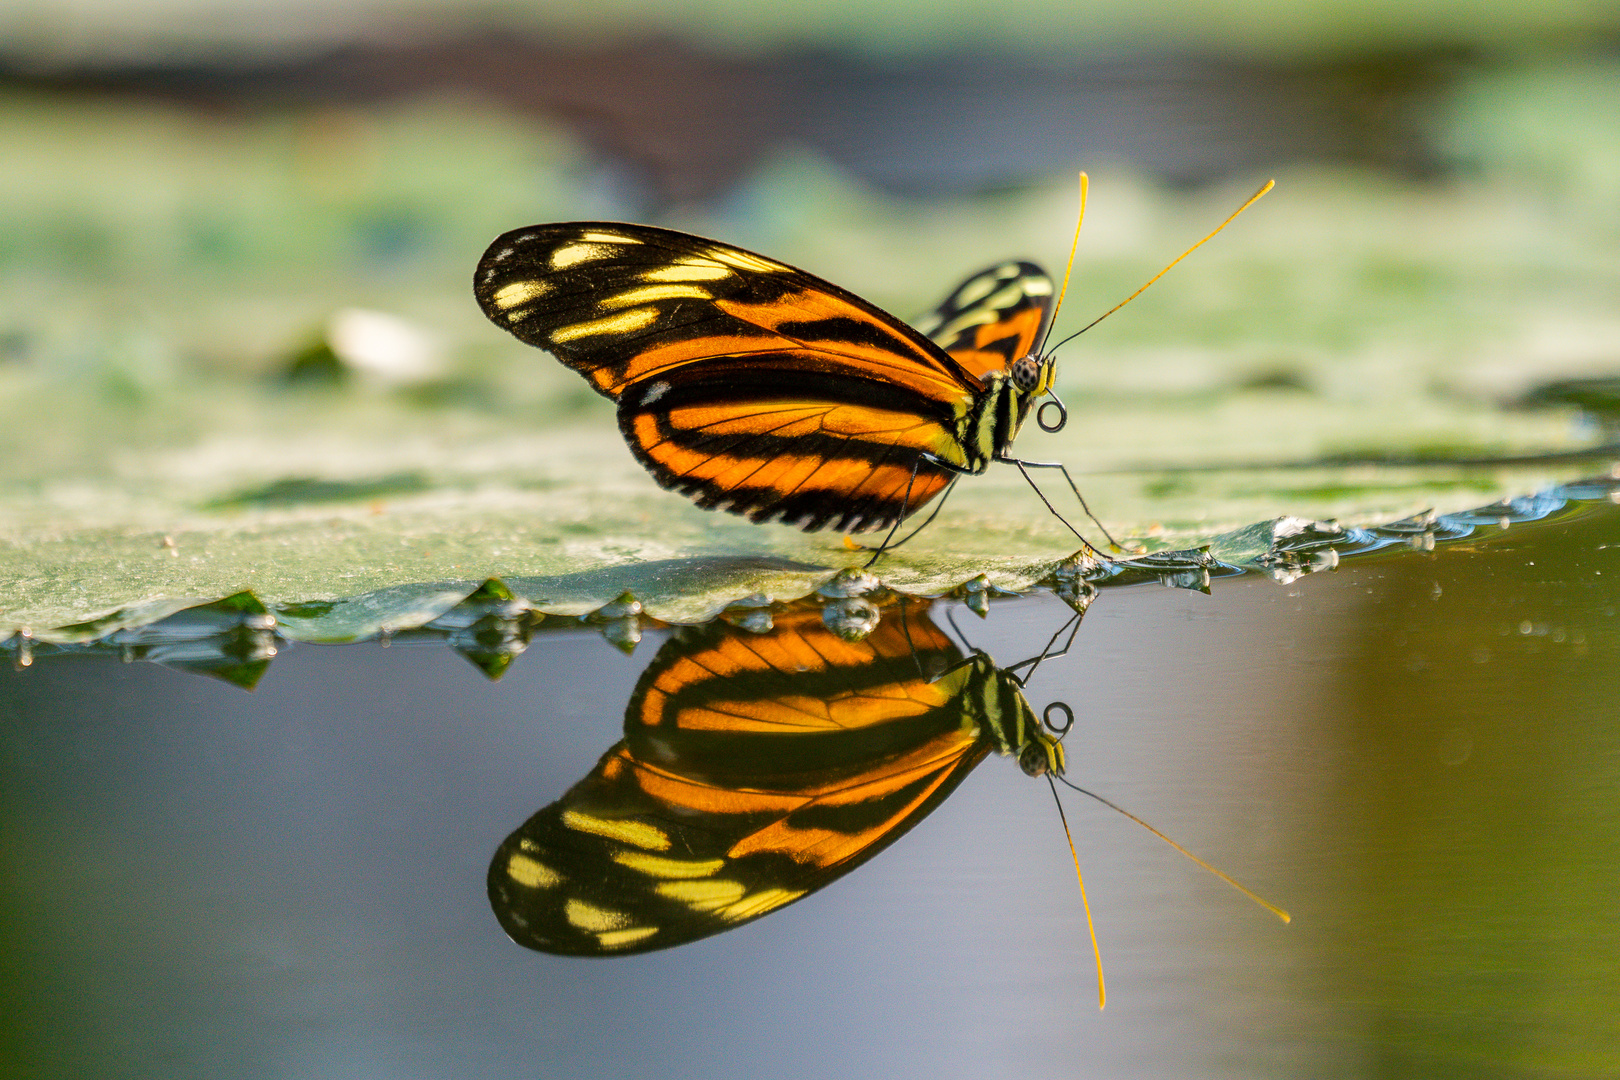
(756, 769)
(756, 388)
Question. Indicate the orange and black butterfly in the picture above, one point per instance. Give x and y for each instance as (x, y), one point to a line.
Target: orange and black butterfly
(753, 387)
(756, 769)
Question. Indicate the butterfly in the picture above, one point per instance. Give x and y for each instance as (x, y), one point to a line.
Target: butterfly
(755, 770)
(754, 387)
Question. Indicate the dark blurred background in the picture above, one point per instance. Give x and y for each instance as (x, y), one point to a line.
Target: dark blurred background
(279, 142)
(678, 102)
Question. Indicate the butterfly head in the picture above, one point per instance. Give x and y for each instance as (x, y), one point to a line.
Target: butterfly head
(1027, 379)
(1042, 755)
(1032, 375)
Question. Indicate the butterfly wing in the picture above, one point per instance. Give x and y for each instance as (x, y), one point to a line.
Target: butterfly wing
(755, 770)
(993, 318)
(743, 383)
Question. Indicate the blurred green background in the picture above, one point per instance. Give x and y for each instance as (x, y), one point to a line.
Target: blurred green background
(238, 350)
(238, 347)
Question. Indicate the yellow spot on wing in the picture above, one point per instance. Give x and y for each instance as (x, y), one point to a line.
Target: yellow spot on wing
(531, 872)
(656, 866)
(1037, 287)
(623, 323)
(759, 903)
(976, 317)
(520, 292)
(609, 238)
(703, 895)
(603, 922)
(618, 939)
(695, 270)
(976, 290)
(656, 292)
(743, 261)
(1009, 296)
(574, 254)
(635, 833)
(593, 918)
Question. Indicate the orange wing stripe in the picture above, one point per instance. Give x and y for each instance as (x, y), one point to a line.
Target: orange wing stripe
(899, 360)
(788, 419)
(936, 755)
(788, 711)
(827, 847)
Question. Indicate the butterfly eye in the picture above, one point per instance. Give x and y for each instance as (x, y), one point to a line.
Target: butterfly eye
(1033, 760)
(1026, 373)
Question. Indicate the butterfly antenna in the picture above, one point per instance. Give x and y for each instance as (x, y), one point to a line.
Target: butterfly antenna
(1252, 199)
(1102, 987)
(1085, 184)
(1250, 893)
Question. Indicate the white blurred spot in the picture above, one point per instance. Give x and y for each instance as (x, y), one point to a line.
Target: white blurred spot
(384, 348)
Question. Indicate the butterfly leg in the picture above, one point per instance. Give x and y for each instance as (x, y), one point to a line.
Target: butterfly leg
(932, 514)
(1073, 626)
(1024, 466)
(906, 500)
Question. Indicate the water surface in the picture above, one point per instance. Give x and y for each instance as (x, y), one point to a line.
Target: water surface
(1415, 754)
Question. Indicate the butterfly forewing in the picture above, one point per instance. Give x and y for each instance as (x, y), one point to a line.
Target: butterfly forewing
(755, 770)
(743, 383)
(993, 318)
(625, 303)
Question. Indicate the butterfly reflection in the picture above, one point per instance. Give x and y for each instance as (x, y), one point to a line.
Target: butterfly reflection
(755, 769)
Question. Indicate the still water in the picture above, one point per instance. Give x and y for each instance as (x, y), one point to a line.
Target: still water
(1416, 754)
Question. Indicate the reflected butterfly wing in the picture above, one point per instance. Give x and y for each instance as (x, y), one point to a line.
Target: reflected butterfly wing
(755, 770)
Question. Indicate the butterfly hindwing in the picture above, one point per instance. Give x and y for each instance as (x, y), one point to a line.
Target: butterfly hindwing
(755, 770)
(810, 463)
(993, 318)
(743, 383)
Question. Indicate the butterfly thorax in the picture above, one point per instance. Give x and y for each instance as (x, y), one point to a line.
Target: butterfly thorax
(993, 701)
(992, 422)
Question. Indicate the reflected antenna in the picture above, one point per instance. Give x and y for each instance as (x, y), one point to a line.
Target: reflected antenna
(1102, 987)
(1250, 893)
